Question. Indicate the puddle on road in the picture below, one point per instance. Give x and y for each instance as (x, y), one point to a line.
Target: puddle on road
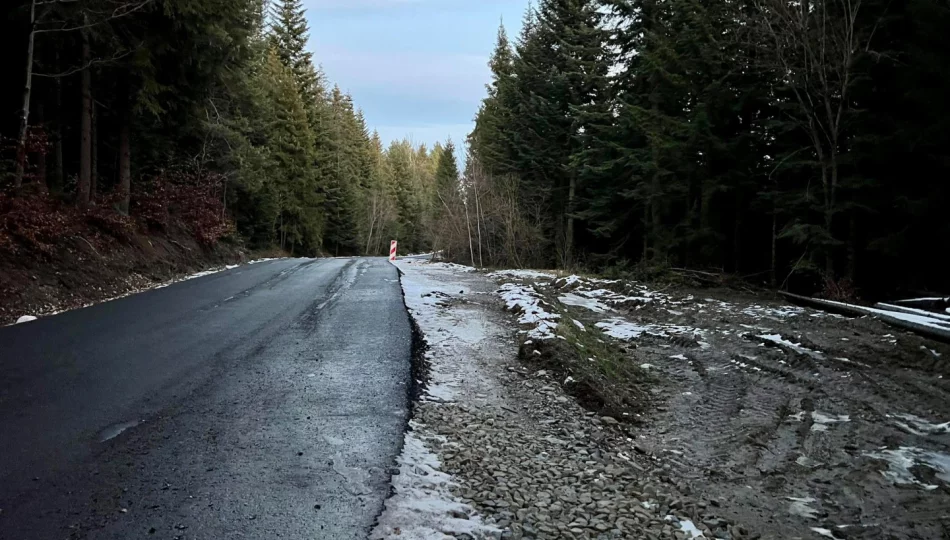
(115, 430)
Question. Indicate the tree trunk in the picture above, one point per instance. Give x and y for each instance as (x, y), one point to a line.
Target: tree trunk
(55, 183)
(852, 247)
(41, 168)
(478, 224)
(25, 110)
(569, 229)
(85, 146)
(94, 154)
(773, 279)
(125, 162)
(646, 231)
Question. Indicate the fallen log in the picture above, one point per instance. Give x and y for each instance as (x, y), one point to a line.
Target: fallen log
(912, 311)
(914, 323)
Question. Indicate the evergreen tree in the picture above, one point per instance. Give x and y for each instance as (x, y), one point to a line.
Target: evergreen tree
(447, 173)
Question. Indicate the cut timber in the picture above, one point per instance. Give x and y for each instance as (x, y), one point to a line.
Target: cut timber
(925, 326)
(912, 311)
(937, 304)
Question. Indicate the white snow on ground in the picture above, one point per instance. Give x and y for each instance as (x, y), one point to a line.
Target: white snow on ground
(523, 274)
(25, 319)
(688, 527)
(625, 330)
(801, 506)
(451, 266)
(525, 301)
(781, 312)
(824, 532)
(422, 507)
(918, 426)
(572, 299)
(901, 461)
(820, 420)
(797, 347)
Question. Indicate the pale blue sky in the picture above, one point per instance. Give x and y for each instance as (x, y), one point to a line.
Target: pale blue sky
(417, 68)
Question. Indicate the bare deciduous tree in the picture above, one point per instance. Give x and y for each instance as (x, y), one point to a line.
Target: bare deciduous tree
(811, 47)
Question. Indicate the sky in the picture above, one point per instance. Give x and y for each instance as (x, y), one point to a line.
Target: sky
(417, 68)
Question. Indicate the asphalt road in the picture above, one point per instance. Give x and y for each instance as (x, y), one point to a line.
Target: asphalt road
(267, 401)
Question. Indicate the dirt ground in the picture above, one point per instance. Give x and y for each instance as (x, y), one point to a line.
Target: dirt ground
(81, 270)
(796, 423)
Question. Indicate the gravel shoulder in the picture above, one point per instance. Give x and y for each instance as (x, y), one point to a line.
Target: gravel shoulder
(746, 417)
(523, 459)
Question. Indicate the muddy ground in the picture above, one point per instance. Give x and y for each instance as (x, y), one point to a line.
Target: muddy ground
(797, 423)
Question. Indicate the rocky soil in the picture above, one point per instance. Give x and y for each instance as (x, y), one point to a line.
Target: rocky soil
(524, 454)
(754, 419)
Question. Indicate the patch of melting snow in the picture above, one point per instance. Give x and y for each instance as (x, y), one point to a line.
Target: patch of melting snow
(450, 266)
(579, 325)
(801, 506)
(115, 430)
(822, 420)
(625, 330)
(522, 274)
(422, 506)
(571, 299)
(824, 532)
(797, 347)
(688, 527)
(782, 312)
(526, 301)
(918, 426)
(902, 460)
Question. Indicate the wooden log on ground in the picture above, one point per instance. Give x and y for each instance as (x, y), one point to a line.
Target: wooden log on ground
(853, 310)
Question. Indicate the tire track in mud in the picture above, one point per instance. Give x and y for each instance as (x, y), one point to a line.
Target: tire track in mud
(781, 423)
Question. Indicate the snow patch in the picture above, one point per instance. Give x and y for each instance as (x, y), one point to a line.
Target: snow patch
(824, 532)
(688, 527)
(529, 275)
(901, 461)
(627, 331)
(822, 420)
(782, 342)
(918, 426)
(422, 507)
(801, 506)
(571, 299)
(450, 266)
(526, 301)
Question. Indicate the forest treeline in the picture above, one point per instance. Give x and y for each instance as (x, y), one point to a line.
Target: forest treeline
(209, 112)
(805, 143)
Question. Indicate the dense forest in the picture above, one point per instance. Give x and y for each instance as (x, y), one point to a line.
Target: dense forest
(212, 114)
(805, 144)
(801, 144)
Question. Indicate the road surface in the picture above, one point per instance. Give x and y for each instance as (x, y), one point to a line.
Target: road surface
(268, 401)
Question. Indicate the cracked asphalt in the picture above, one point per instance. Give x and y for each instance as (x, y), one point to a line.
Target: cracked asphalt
(267, 401)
